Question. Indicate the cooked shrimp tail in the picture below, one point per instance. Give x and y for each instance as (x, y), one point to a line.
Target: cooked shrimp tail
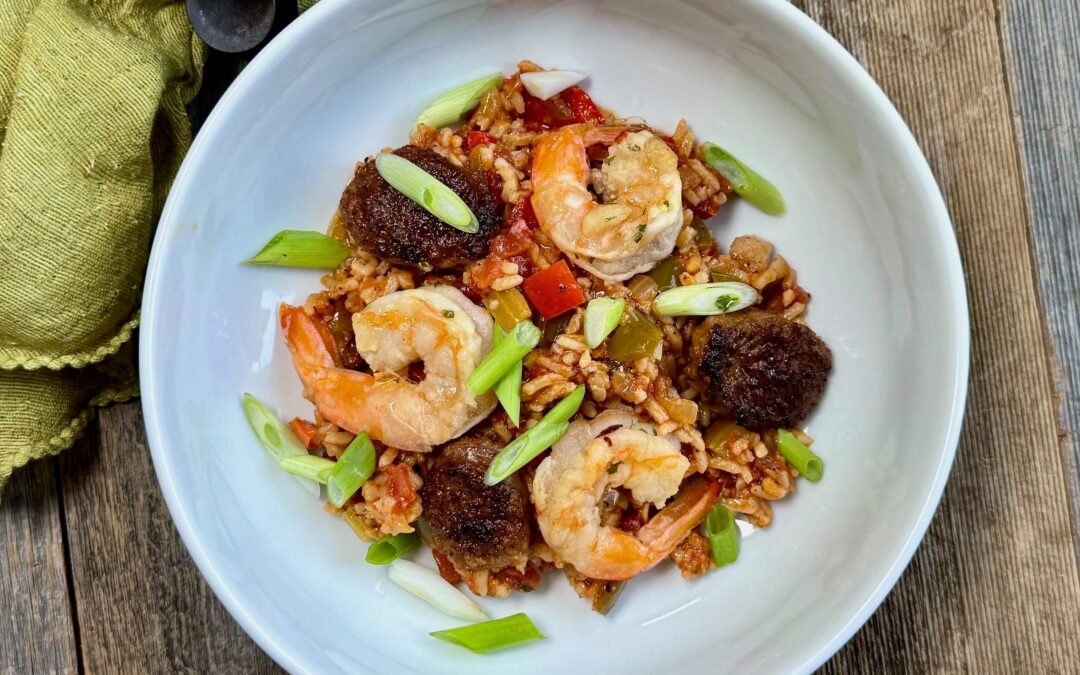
(672, 523)
(438, 326)
(615, 450)
(638, 219)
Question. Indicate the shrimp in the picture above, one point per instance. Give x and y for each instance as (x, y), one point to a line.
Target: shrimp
(639, 220)
(615, 450)
(439, 326)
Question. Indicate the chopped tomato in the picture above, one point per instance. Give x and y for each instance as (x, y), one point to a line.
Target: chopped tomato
(446, 568)
(631, 521)
(523, 212)
(705, 209)
(305, 431)
(399, 486)
(416, 372)
(582, 107)
(549, 114)
(477, 138)
(535, 113)
(554, 290)
(525, 581)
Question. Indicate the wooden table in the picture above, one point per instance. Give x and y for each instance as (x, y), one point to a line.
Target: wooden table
(94, 577)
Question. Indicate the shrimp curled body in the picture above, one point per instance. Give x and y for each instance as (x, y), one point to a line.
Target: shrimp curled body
(639, 220)
(438, 326)
(612, 451)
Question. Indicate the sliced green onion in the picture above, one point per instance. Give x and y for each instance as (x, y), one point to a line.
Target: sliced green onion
(601, 317)
(427, 191)
(308, 466)
(800, 456)
(747, 183)
(452, 106)
(566, 408)
(722, 534)
(301, 248)
(539, 438)
(503, 356)
(351, 470)
(275, 437)
(433, 589)
(491, 636)
(389, 549)
(543, 84)
(705, 299)
(508, 388)
(523, 450)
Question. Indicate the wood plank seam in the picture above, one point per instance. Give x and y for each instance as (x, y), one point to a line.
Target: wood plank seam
(66, 544)
(1067, 393)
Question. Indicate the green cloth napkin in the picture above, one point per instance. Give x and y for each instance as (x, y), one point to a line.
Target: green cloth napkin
(92, 131)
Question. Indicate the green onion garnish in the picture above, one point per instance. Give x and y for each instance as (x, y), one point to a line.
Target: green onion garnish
(308, 466)
(503, 356)
(427, 191)
(508, 388)
(354, 467)
(705, 299)
(566, 408)
(452, 106)
(301, 248)
(539, 438)
(746, 182)
(433, 589)
(523, 449)
(800, 456)
(492, 635)
(722, 534)
(276, 438)
(601, 317)
(389, 549)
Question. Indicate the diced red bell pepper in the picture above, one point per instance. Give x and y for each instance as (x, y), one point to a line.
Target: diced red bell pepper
(446, 568)
(477, 138)
(305, 431)
(582, 106)
(554, 290)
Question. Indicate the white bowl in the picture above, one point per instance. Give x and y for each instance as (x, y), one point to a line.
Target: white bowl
(866, 229)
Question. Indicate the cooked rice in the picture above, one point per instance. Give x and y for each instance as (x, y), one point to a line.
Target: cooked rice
(747, 465)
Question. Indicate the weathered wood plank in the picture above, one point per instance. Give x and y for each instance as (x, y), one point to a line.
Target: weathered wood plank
(142, 605)
(995, 587)
(36, 632)
(1042, 48)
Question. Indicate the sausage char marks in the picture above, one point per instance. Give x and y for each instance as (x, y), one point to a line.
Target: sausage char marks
(478, 526)
(763, 370)
(387, 223)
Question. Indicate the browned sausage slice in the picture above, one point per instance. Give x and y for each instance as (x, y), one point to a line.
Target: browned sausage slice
(387, 223)
(476, 525)
(759, 368)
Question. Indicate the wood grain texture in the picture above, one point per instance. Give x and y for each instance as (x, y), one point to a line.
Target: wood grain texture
(995, 586)
(36, 633)
(142, 605)
(1042, 48)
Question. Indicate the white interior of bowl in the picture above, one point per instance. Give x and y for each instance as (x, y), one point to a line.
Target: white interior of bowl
(866, 230)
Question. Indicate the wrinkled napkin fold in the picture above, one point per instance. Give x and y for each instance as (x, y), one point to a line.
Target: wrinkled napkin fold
(93, 128)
